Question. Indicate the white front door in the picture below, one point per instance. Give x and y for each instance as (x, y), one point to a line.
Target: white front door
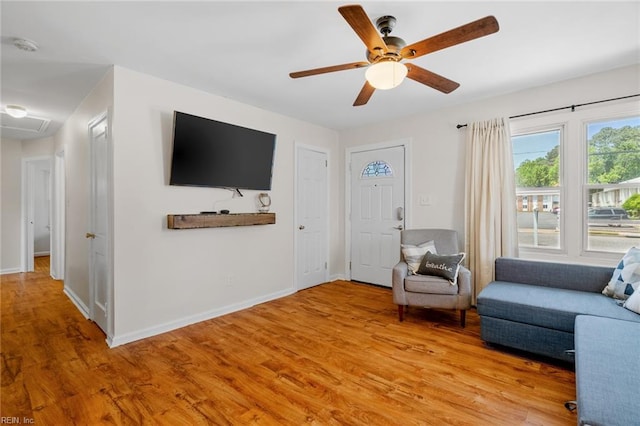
(312, 231)
(98, 235)
(377, 213)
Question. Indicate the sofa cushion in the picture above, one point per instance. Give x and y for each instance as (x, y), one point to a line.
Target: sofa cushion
(552, 308)
(626, 276)
(429, 284)
(607, 373)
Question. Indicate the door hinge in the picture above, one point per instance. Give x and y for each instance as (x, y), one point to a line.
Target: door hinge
(325, 265)
(326, 163)
(349, 265)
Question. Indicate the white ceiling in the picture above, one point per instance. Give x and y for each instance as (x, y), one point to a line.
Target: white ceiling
(245, 51)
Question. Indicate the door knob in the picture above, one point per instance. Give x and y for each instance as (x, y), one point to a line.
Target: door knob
(400, 227)
(90, 235)
(301, 227)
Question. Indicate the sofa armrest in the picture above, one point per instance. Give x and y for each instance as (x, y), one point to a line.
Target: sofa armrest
(464, 281)
(400, 271)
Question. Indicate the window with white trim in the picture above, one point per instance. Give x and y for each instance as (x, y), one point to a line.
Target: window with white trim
(595, 201)
(537, 159)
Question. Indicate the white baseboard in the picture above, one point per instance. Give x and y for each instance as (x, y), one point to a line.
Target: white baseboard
(41, 253)
(337, 277)
(183, 322)
(10, 271)
(84, 310)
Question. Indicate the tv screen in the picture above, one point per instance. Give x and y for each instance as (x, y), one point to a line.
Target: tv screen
(210, 153)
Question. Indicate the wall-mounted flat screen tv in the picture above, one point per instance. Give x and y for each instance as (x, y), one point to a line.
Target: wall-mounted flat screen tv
(211, 153)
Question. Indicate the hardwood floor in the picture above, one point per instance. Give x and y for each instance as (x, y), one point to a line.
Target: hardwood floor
(331, 355)
(42, 263)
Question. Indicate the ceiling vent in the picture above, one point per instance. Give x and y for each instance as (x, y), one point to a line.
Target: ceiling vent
(29, 124)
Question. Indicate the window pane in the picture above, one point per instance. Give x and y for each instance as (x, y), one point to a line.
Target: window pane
(613, 218)
(536, 158)
(613, 192)
(614, 151)
(377, 169)
(539, 219)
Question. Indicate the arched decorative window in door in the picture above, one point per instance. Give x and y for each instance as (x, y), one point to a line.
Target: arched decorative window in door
(377, 168)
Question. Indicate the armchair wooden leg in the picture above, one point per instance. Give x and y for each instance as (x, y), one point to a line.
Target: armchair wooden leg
(463, 317)
(401, 313)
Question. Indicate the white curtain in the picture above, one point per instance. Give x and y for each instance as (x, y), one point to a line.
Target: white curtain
(491, 229)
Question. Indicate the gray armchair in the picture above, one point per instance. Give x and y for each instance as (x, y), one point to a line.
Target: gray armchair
(430, 291)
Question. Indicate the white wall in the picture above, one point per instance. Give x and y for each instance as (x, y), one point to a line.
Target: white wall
(165, 278)
(73, 137)
(10, 208)
(13, 153)
(437, 162)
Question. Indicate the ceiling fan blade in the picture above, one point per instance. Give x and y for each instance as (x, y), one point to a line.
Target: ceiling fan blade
(431, 79)
(365, 94)
(357, 18)
(472, 30)
(333, 68)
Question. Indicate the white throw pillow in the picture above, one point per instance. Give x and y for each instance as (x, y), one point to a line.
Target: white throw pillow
(633, 302)
(413, 254)
(626, 277)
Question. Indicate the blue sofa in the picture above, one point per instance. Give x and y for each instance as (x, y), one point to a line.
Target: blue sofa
(607, 373)
(532, 306)
(554, 309)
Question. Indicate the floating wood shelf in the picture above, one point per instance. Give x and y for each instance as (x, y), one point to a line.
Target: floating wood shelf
(191, 221)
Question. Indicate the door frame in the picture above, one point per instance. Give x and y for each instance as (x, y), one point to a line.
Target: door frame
(58, 236)
(27, 211)
(406, 144)
(105, 116)
(296, 248)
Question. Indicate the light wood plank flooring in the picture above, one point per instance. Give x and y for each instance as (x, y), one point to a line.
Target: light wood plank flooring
(331, 355)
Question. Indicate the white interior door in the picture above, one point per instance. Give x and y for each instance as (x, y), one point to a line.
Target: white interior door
(42, 208)
(36, 200)
(377, 213)
(98, 235)
(58, 218)
(312, 231)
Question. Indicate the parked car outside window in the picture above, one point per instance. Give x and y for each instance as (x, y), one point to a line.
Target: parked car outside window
(610, 213)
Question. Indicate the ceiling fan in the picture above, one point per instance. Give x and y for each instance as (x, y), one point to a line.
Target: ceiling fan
(384, 54)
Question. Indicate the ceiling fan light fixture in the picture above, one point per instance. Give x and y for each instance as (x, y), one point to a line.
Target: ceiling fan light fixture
(16, 111)
(386, 75)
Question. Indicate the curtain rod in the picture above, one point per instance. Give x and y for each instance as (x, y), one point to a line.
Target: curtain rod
(572, 107)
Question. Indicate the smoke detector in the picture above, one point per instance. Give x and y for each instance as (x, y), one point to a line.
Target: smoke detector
(24, 44)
